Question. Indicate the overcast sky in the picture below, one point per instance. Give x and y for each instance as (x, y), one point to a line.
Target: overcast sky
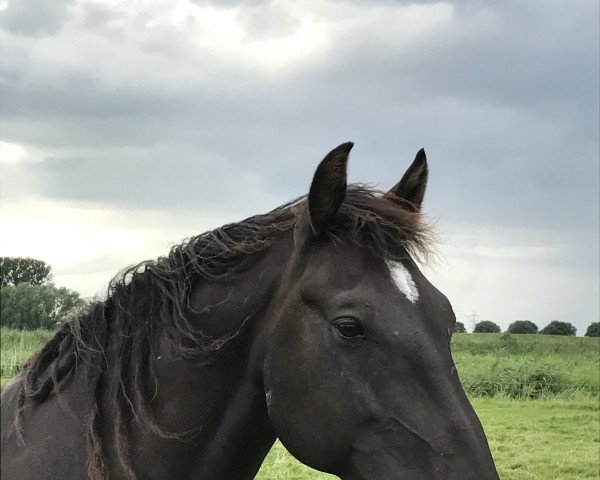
(128, 126)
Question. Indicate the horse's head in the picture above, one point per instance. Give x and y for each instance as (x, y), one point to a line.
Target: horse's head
(358, 375)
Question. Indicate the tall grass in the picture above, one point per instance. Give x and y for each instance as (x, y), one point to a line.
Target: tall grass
(17, 346)
(515, 366)
(527, 366)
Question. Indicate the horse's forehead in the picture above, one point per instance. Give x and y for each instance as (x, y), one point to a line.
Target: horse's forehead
(403, 280)
(359, 266)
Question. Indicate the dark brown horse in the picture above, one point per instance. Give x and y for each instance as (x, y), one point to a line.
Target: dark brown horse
(311, 323)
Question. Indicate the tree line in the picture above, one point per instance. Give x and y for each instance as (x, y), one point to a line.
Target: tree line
(525, 326)
(28, 298)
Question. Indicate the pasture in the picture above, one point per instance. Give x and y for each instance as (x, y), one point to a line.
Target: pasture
(537, 396)
(544, 439)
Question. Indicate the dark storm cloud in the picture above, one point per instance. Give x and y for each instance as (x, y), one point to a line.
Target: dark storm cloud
(504, 99)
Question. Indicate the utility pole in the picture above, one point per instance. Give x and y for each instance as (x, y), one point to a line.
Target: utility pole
(473, 318)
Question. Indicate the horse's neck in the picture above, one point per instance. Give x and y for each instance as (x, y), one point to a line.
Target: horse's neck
(224, 399)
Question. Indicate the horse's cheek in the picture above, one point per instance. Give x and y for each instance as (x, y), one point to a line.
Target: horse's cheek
(307, 394)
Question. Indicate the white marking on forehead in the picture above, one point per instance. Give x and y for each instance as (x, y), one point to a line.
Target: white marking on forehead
(403, 280)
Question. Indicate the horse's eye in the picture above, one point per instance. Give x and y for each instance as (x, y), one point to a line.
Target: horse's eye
(349, 327)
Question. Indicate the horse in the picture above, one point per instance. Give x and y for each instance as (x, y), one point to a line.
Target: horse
(311, 323)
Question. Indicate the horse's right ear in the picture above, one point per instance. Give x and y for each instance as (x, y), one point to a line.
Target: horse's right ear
(328, 188)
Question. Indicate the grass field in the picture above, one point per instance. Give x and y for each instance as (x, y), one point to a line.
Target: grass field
(544, 439)
(17, 347)
(516, 366)
(537, 396)
(527, 366)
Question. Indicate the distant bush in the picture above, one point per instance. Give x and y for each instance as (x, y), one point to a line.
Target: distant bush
(592, 331)
(459, 327)
(485, 326)
(559, 328)
(522, 326)
(28, 307)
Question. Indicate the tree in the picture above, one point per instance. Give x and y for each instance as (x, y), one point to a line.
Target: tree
(485, 326)
(593, 330)
(18, 270)
(26, 306)
(559, 328)
(459, 327)
(522, 326)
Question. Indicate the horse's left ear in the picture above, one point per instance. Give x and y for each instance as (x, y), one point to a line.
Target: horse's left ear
(328, 188)
(412, 187)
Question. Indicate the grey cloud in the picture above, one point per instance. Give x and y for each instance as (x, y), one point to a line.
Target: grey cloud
(261, 23)
(504, 100)
(35, 17)
(158, 177)
(97, 15)
(231, 3)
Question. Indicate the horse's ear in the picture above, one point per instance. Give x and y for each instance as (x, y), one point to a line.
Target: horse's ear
(328, 188)
(411, 188)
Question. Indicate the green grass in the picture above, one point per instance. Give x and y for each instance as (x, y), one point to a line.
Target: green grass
(537, 396)
(544, 439)
(280, 465)
(517, 366)
(17, 347)
(527, 366)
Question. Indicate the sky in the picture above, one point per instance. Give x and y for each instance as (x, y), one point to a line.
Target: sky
(126, 127)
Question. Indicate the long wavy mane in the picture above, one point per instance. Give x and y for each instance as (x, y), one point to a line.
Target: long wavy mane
(151, 299)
